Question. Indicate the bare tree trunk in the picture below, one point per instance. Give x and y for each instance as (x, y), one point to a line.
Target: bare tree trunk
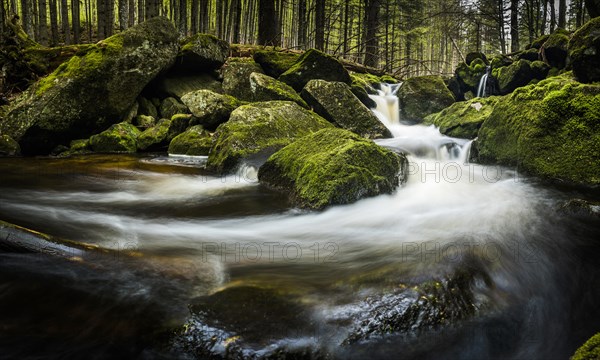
(25, 21)
(514, 25)
(267, 24)
(371, 57)
(204, 16)
(237, 21)
(64, 14)
(182, 17)
(76, 19)
(302, 24)
(544, 17)
(552, 16)
(320, 24)
(346, 20)
(101, 18)
(562, 14)
(141, 11)
(88, 18)
(593, 8)
(54, 22)
(2, 24)
(123, 6)
(110, 17)
(131, 13)
(194, 16)
(42, 22)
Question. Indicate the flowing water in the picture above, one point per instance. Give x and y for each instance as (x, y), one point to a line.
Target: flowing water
(481, 89)
(194, 234)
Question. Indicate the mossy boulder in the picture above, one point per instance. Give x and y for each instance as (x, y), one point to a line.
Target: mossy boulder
(499, 61)
(550, 129)
(275, 63)
(202, 52)
(530, 54)
(146, 107)
(364, 85)
(144, 121)
(236, 77)
(119, 138)
(472, 56)
(90, 92)
(335, 102)
(195, 141)
(314, 64)
(538, 43)
(255, 131)
(554, 50)
(175, 84)
(154, 138)
(266, 88)
(423, 95)
(332, 167)
(171, 106)
(209, 108)
(513, 76)
(468, 76)
(539, 70)
(8, 146)
(463, 119)
(590, 350)
(584, 51)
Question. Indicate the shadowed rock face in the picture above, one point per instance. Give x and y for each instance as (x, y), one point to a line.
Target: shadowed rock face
(90, 92)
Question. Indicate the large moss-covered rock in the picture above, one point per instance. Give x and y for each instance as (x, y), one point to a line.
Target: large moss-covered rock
(146, 107)
(88, 93)
(258, 130)
(332, 167)
(266, 88)
(554, 50)
(314, 64)
(513, 76)
(8, 146)
(530, 54)
(209, 108)
(584, 51)
(463, 119)
(423, 95)
(119, 138)
(195, 141)
(158, 137)
(236, 77)
(335, 102)
(472, 56)
(202, 52)
(468, 75)
(275, 63)
(364, 85)
(590, 350)
(550, 129)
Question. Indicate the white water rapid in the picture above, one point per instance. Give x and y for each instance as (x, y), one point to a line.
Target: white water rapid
(483, 83)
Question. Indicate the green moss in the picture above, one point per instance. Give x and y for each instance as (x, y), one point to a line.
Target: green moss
(423, 95)
(155, 137)
(550, 129)
(120, 137)
(209, 108)
(266, 88)
(463, 119)
(202, 51)
(8, 146)
(590, 350)
(195, 141)
(260, 128)
(584, 51)
(314, 64)
(330, 167)
(537, 43)
(275, 63)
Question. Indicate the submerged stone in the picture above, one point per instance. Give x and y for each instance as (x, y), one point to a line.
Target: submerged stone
(119, 138)
(423, 95)
(335, 102)
(333, 167)
(255, 131)
(195, 141)
(463, 119)
(209, 108)
(314, 64)
(90, 92)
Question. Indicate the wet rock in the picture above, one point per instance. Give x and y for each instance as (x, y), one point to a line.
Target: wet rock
(236, 77)
(468, 76)
(195, 141)
(90, 92)
(9, 147)
(258, 130)
(554, 50)
(333, 167)
(421, 96)
(119, 138)
(144, 121)
(154, 138)
(584, 51)
(364, 85)
(171, 106)
(202, 52)
(335, 102)
(266, 88)
(209, 108)
(175, 84)
(580, 207)
(549, 129)
(513, 76)
(275, 63)
(314, 64)
(463, 119)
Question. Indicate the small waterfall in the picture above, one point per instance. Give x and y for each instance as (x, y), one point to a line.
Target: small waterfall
(425, 142)
(483, 83)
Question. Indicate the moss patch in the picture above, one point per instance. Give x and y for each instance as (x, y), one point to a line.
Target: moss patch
(119, 138)
(266, 88)
(331, 167)
(424, 95)
(463, 119)
(590, 350)
(275, 63)
(584, 51)
(195, 141)
(314, 64)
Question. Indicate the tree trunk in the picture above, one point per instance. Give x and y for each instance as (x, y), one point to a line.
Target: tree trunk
(371, 57)
(76, 21)
(593, 8)
(101, 18)
(25, 16)
(562, 14)
(123, 6)
(194, 17)
(182, 17)
(42, 22)
(131, 13)
(552, 16)
(237, 21)
(64, 14)
(267, 25)
(514, 25)
(141, 11)
(320, 25)
(204, 16)
(54, 22)
(302, 24)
